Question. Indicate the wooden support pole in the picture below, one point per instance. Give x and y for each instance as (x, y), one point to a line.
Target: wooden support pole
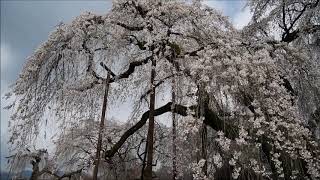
(101, 128)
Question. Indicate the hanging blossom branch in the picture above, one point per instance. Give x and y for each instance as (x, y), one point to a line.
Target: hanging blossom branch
(134, 64)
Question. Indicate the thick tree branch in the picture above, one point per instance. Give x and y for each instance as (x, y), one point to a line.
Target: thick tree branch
(130, 28)
(211, 119)
(130, 70)
(66, 175)
(290, 35)
(70, 174)
(123, 75)
(139, 43)
(182, 110)
(186, 36)
(194, 53)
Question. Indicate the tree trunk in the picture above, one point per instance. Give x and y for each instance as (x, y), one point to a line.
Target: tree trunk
(101, 129)
(35, 168)
(148, 171)
(174, 148)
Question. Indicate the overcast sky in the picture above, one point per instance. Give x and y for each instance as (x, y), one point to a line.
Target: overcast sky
(26, 24)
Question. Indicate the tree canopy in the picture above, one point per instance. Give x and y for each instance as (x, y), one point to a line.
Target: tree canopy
(247, 101)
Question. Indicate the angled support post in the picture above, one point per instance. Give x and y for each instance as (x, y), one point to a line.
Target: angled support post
(102, 122)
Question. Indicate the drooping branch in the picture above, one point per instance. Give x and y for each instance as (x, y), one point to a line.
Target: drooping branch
(90, 69)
